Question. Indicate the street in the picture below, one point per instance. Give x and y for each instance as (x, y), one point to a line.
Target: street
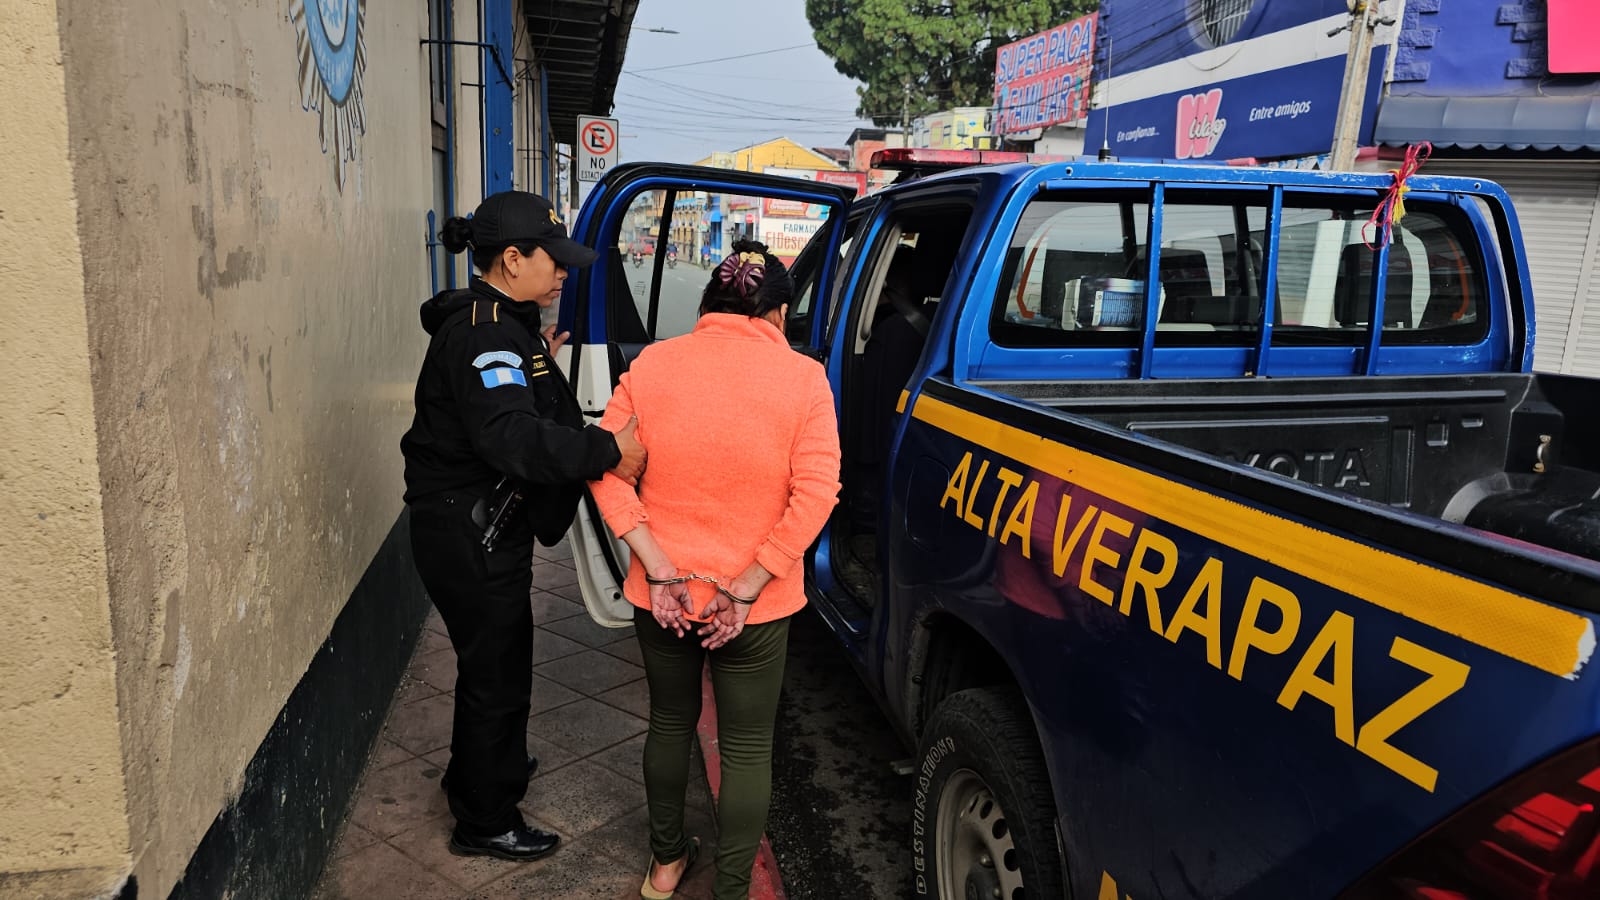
(679, 303)
(840, 817)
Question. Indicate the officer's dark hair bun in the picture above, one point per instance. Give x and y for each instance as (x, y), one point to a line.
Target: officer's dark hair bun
(456, 234)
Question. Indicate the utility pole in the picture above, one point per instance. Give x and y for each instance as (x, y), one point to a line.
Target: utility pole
(1364, 22)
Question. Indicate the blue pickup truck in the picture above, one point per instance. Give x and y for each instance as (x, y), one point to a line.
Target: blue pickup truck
(1204, 543)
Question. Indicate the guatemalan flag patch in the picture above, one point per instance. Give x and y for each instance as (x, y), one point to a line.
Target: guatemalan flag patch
(500, 376)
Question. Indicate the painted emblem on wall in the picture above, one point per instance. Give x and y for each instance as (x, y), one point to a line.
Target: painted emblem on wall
(333, 55)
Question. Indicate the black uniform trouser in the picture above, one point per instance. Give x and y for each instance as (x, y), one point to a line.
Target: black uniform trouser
(483, 598)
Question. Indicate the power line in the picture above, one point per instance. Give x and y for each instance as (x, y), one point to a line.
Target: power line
(659, 105)
(721, 98)
(702, 62)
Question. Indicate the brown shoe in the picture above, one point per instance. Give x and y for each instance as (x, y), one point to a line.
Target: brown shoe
(650, 892)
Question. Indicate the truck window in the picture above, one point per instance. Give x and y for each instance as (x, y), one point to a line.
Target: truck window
(694, 231)
(1325, 276)
(1212, 270)
(1074, 273)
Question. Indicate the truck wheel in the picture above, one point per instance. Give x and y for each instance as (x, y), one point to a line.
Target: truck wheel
(983, 818)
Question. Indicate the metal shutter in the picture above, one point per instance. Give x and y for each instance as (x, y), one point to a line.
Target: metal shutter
(1557, 204)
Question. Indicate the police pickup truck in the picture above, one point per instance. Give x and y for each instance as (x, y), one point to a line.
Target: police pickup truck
(1206, 536)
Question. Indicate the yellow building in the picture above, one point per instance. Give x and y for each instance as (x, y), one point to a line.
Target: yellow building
(781, 152)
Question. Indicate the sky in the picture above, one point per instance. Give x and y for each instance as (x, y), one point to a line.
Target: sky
(684, 113)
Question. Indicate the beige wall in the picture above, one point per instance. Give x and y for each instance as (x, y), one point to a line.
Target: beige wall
(249, 333)
(63, 831)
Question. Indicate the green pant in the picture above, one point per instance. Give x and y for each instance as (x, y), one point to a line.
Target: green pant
(746, 676)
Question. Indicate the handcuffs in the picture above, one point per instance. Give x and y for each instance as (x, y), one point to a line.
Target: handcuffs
(692, 576)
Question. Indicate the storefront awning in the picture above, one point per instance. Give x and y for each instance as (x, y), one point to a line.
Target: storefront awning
(581, 44)
(1515, 123)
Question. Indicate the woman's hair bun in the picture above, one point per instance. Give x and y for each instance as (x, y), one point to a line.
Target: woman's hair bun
(456, 234)
(746, 245)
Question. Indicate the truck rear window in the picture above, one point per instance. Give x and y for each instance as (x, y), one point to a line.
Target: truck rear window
(1078, 265)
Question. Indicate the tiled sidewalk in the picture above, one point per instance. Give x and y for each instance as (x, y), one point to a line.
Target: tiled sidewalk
(587, 728)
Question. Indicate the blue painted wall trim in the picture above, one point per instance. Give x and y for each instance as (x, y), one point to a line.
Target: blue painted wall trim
(499, 152)
(1473, 48)
(274, 839)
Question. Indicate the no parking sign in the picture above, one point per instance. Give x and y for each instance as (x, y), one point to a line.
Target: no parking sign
(597, 147)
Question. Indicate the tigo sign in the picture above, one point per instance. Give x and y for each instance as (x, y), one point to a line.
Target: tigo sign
(1199, 125)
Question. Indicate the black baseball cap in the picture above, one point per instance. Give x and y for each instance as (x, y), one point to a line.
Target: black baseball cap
(516, 217)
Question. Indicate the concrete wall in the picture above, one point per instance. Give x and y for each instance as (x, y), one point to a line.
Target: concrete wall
(243, 310)
(63, 828)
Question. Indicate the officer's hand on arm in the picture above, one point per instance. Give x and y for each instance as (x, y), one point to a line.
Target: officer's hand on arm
(631, 466)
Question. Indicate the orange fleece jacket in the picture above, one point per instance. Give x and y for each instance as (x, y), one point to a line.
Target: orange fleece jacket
(743, 458)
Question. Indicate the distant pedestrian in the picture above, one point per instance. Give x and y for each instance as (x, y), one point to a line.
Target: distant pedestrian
(497, 456)
(718, 528)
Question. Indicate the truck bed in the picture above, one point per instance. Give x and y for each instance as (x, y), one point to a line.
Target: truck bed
(1513, 455)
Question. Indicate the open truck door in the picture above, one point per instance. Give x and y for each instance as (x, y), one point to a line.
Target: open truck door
(615, 310)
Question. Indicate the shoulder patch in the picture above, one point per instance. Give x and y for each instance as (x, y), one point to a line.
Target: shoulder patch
(497, 356)
(501, 376)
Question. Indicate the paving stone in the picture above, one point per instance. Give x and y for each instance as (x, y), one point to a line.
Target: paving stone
(561, 551)
(586, 727)
(548, 695)
(565, 592)
(387, 753)
(626, 648)
(382, 871)
(393, 800)
(351, 839)
(547, 645)
(433, 641)
(551, 608)
(549, 755)
(423, 726)
(437, 669)
(589, 672)
(547, 575)
(575, 872)
(413, 689)
(587, 632)
(435, 622)
(633, 697)
(579, 798)
(625, 759)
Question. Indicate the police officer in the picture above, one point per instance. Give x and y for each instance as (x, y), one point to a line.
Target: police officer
(496, 422)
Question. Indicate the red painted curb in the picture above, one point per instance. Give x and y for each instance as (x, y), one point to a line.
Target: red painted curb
(765, 882)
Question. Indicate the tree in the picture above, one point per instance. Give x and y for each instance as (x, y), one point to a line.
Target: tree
(918, 56)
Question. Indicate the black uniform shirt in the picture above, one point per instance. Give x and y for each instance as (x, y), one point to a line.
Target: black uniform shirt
(490, 401)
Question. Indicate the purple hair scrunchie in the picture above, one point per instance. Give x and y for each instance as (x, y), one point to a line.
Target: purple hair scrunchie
(743, 272)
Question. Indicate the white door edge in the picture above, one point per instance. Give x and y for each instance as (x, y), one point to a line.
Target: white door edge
(602, 596)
